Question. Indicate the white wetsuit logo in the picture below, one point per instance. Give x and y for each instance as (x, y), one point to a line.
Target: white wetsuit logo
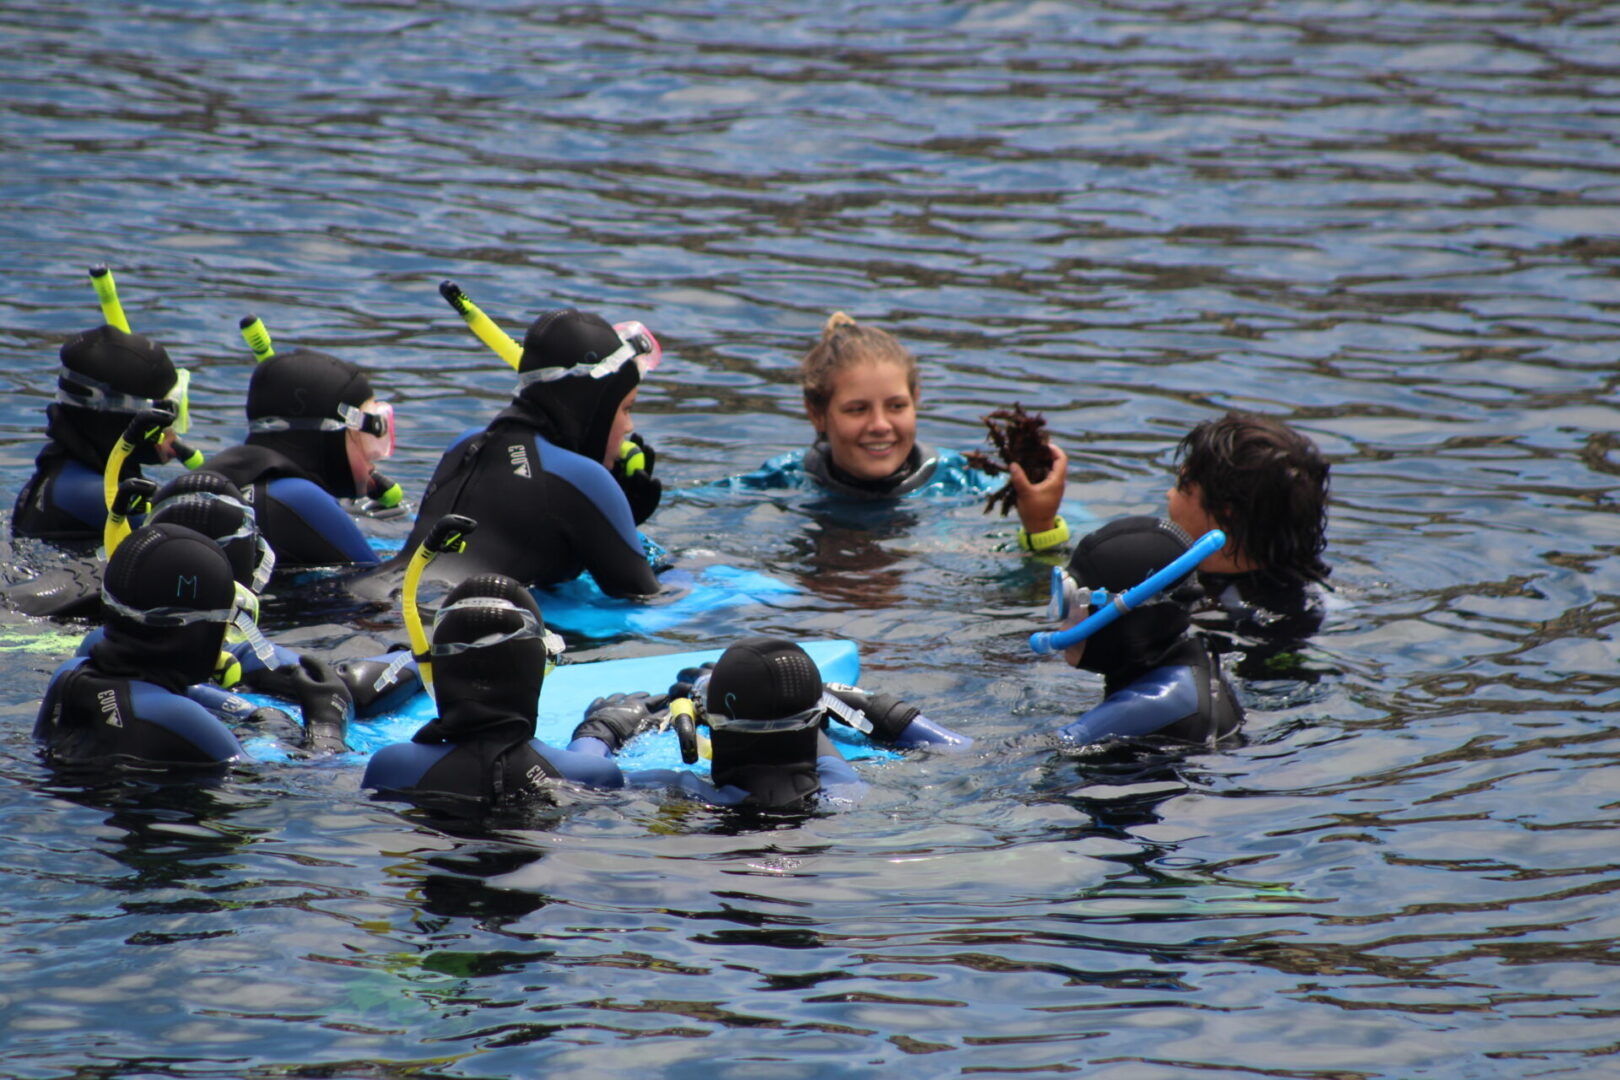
(520, 460)
(108, 700)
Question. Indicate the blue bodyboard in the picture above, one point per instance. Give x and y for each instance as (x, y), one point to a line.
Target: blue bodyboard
(579, 607)
(571, 687)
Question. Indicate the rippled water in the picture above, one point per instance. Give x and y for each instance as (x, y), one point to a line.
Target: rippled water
(1396, 225)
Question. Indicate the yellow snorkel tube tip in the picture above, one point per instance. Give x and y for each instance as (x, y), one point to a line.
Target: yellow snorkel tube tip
(107, 292)
(257, 337)
(482, 325)
(449, 533)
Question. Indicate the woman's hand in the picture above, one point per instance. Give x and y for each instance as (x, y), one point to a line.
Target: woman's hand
(1038, 503)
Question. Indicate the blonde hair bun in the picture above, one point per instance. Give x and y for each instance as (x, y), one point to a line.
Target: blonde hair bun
(836, 322)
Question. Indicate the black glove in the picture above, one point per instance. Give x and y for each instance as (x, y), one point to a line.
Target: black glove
(616, 719)
(362, 677)
(888, 714)
(633, 470)
(325, 702)
(684, 678)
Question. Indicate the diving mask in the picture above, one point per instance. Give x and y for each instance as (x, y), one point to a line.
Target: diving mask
(637, 344)
(101, 397)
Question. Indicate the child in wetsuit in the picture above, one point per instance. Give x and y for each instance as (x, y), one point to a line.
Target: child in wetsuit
(315, 434)
(168, 597)
(1266, 486)
(546, 479)
(209, 503)
(1158, 679)
(107, 377)
(488, 658)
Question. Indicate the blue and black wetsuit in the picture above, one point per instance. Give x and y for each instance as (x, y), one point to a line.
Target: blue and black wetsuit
(526, 770)
(545, 514)
(169, 596)
(88, 718)
(302, 522)
(1182, 696)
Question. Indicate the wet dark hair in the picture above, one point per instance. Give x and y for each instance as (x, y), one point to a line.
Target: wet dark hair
(845, 343)
(1266, 485)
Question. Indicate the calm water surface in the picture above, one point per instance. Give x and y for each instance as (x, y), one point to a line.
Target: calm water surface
(1396, 225)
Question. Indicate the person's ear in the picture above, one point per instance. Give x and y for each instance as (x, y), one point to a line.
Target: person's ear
(818, 418)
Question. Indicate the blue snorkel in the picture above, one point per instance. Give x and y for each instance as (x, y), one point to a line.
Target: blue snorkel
(1109, 608)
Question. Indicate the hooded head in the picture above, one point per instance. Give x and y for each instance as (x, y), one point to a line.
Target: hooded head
(763, 706)
(168, 595)
(575, 372)
(489, 659)
(107, 377)
(296, 406)
(1116, 557)
(209, 503)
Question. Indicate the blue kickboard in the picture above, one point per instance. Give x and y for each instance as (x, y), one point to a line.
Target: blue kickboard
(579, 607)
(571, 687)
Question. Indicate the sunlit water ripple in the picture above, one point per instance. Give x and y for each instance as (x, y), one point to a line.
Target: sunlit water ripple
(1396, 225)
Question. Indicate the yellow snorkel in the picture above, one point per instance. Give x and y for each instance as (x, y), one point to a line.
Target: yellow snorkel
(101, 278)
(147, 426)
(257, 337)
(449, 533)
(107, 292)
(482, 324)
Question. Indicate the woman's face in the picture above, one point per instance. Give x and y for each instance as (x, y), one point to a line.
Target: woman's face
(623, 425)
(871, 422)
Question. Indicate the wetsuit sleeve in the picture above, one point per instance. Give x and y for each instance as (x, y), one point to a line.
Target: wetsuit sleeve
(839, 781)
(308, 527)
(925, 732)
(400, 767)
(600, 528)
(229, 707)
(1151, 703)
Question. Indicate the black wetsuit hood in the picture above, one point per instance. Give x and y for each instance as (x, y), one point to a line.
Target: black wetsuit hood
(130, 364)
(757, 680)
(488, 696)
(917, 470)
(303, 384)
(165, 566)
(574, 412)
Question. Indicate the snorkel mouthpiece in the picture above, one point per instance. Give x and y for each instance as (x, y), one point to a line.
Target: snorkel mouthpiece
(1045, 642)
(107, 292)
(481, 324)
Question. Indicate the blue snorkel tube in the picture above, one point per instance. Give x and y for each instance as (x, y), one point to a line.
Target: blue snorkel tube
(1109, 608)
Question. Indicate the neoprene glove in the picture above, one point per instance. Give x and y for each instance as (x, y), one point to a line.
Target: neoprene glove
(888, 714)
(616, 719)
(325, 702)
(633, 470)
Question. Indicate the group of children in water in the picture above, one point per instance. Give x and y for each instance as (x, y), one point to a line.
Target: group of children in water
(556, 485)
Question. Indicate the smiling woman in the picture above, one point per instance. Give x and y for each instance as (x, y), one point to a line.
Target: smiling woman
(861, 394)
